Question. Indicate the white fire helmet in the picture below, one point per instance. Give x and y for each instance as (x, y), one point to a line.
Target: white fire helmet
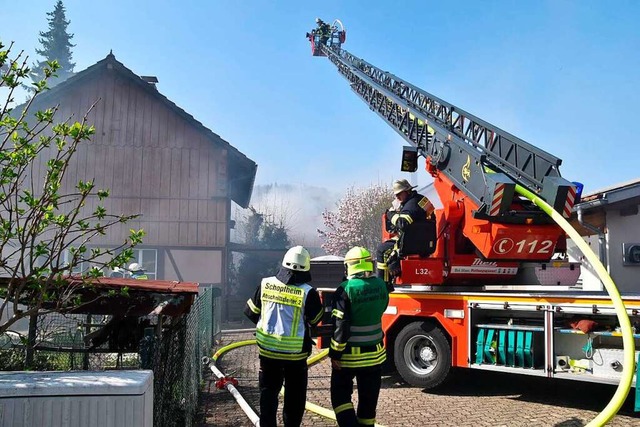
(134, 266)
(297, 258)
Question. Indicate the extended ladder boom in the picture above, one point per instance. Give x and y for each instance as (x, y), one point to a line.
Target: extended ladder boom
(477, 156)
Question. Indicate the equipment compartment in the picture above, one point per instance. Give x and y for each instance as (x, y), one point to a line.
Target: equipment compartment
(586, 343)
(508, 338)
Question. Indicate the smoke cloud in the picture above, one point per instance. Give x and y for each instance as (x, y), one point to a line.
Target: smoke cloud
(297, 207)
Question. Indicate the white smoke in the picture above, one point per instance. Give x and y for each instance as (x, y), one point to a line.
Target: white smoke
(297, 207)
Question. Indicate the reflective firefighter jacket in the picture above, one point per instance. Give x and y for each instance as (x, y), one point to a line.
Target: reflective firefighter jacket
(358, 307)
(416, 208)
(281, 313)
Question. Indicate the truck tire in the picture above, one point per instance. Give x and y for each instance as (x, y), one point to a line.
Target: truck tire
(422, 355)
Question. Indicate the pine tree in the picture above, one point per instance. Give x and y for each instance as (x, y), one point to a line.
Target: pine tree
(56, 45)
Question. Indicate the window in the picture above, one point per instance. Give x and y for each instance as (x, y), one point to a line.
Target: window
(148, 259)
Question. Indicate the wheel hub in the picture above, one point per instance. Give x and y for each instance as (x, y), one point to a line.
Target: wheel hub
(420, 354)
(427, 354)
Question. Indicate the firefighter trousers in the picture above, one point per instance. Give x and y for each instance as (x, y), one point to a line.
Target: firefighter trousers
(368, 380)
(294, 374)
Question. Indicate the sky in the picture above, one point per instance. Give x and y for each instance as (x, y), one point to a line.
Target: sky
(562, 75)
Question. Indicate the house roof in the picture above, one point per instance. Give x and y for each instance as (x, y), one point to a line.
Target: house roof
(627, 192)
(242, 170)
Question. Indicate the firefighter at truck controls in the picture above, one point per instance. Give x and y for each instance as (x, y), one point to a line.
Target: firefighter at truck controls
(409, 207)
(357, 347)
(284, 307)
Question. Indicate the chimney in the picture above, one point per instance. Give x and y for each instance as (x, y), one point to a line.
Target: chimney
(152, 80)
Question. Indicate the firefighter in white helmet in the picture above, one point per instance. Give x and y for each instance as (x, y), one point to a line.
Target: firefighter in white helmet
(284, 307)
(137, 272)
(323, 30)
(357, 347)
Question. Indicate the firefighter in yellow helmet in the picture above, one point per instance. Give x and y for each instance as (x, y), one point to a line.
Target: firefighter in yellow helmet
(284, 307)
(357, 347)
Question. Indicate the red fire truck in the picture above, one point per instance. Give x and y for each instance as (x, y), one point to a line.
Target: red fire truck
(464, 293)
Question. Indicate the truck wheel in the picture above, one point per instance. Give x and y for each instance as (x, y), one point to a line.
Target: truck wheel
(422, 355)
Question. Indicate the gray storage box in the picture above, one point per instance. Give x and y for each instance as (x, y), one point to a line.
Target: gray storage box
(76, 399)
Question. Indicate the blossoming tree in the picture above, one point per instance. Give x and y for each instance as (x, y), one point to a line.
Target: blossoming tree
(356, 220)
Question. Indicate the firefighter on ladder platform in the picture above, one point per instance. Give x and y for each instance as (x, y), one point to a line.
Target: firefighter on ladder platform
(323, 30)
(283, 308)
(357, 347)
(409, 207)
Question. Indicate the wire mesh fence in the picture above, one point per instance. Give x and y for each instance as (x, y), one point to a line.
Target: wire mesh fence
(180, 373)
(170, 346)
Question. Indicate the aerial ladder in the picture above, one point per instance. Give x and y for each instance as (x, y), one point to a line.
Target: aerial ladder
(487, 232)
(485, 229)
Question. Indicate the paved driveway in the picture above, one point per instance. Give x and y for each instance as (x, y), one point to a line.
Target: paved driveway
(471, 398)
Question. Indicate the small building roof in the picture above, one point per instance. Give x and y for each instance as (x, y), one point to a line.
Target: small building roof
(327, 258)
(133, 297)
(627, 192)
(594, 205)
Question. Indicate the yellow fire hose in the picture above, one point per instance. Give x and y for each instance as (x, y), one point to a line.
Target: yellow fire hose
(223, 350)
(625, 325)
(327, 413)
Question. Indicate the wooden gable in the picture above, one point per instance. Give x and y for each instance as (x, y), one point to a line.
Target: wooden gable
(155, 158)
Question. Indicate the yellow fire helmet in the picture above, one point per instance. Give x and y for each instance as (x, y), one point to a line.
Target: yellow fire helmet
(358, 260)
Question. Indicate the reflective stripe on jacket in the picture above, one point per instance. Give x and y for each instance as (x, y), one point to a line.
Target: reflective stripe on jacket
(416, 208)
(361, 357)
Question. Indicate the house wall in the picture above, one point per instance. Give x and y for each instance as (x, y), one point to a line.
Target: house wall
(192, 265)
(153, 161)
(589, 280)
(622, 229)
(156, 163)
(621, 226)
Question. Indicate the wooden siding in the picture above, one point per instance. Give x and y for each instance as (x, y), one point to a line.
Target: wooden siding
(153, 161)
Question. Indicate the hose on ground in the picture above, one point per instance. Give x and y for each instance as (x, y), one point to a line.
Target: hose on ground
(246, 408)
(324, 412)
